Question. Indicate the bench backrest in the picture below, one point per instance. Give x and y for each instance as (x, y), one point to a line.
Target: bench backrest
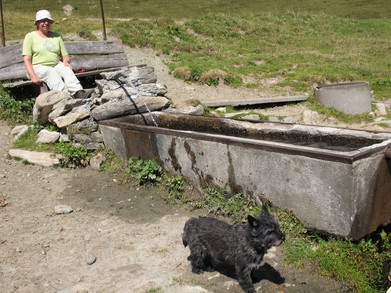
(90, 55)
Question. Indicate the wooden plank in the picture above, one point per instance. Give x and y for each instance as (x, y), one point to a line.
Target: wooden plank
(18, 71)
(87, 73)
(87, 48)
(18, 83)
(11, 55)
(244, 102)
(14, 71)
(100, 62)
(12, 67)
(29, 82)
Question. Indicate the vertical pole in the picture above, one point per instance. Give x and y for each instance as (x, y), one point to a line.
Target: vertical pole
(2, 25)
(103, 21)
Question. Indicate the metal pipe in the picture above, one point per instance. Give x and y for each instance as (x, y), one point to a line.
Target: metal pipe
(103, 21)
(138, 95)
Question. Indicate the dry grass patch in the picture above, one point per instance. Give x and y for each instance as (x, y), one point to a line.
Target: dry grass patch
(182, 73)
(214, 74)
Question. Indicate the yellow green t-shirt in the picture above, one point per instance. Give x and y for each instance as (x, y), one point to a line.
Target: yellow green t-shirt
(45, 51)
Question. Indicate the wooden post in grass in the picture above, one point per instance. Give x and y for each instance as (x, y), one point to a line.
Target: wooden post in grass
(103, 20)
(2, 25)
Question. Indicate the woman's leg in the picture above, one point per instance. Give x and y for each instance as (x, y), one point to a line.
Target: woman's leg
(51, 77)
(72, 83)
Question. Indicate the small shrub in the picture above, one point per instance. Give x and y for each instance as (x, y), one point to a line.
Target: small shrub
(175, 31)
(175, 185)
(15, 110)
(148, 172)
(86, 34)
(238, 206)
(195, 72)
(112, 163)
(235, 81)
(182, 73)
(213, 77)
(74, 156)
(253, 85)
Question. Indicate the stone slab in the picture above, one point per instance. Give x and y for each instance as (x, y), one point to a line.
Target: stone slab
(45, 159)
(260, 101)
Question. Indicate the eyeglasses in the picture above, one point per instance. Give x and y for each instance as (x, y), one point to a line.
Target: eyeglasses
(45, 20)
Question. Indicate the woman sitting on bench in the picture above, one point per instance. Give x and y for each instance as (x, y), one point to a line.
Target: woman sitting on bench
(43, 51)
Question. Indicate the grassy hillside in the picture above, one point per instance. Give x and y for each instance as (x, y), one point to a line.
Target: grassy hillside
(299, 48)
(362, 9)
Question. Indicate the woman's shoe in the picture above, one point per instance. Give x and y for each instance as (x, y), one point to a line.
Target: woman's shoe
(82, 94)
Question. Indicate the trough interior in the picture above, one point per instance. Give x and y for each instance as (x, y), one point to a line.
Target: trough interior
(259, 130)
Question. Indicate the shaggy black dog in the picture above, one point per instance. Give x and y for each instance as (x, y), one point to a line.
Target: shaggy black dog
(242, 246)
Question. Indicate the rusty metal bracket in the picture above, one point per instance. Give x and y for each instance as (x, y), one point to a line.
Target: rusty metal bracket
(387, 153)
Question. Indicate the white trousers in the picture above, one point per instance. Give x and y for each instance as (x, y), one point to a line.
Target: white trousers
(59, 77)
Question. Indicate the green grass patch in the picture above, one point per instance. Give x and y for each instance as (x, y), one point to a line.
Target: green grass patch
(27, 141)
(112, 163)
(361, 264)
(300, 48)
(184, 9)
(15, 110)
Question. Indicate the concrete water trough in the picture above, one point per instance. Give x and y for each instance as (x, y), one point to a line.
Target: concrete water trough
(336, 181)
(348, 97)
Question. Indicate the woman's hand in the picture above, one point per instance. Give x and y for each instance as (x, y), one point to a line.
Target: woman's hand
(67, 61)
(35, 79)
(30, 70)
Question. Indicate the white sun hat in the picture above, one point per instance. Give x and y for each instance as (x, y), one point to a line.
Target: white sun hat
(43, 14)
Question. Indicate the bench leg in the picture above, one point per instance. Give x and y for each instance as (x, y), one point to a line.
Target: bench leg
(43, 88)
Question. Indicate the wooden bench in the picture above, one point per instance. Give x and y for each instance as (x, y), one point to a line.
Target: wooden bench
(95, 57)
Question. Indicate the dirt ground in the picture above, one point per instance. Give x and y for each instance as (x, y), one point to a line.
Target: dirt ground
(132, 238)
(118, 238)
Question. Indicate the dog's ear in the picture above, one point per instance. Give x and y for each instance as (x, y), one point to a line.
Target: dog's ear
(253, 222)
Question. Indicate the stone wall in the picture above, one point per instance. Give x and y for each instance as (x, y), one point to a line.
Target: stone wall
(114, 96)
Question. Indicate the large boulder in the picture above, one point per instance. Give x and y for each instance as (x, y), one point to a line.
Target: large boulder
(86, 126)
(44, 104)
(46, 136)
(77, 114)
(135, 74)
(65, 106)
(116, 108)
(109, 91)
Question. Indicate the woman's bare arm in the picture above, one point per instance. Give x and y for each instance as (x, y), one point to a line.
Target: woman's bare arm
(30, 70)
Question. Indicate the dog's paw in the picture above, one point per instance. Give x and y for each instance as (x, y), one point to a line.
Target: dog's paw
(210, 269)
(197, 270)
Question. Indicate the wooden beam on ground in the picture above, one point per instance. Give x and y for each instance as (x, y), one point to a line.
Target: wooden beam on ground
(248, 102)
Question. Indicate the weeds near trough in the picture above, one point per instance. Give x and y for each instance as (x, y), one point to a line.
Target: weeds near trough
(74, 156)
